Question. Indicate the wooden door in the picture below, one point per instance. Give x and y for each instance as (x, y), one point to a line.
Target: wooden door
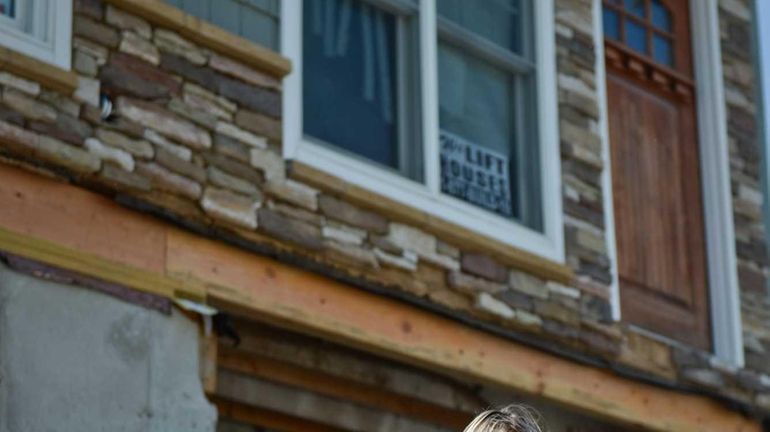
(655, 168)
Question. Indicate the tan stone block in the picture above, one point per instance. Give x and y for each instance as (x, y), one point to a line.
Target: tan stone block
(230, 207)
(411, 238)
(222, 179)
(201, 99)
(343, 234)
(167, 181)
(239, 70)
(194, 90)
(488, 304)
(24, 85)
(290, 230)
(132, 43)
(473, 285)
(159, 140)
(173, 43)
(259, 124)
(138, 148)
(198, 116)
(105, 153)
(27, 106)
(233, 131)
(270, 163)
(528, 284)
(351, 254)
(88, 91)
(343, 211)
(59, 153)
(447, 249)
(451, 300)
(294, 192)
(125, 21)
(164, 122)
(98, 52)
(528, 319)
(84, 64)
(95, 31)
(406, 261)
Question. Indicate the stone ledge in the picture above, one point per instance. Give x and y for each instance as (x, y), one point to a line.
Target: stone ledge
(506, 254)
(47, 75)
(208, 35)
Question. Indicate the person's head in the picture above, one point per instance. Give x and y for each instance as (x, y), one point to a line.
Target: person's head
(512, 418)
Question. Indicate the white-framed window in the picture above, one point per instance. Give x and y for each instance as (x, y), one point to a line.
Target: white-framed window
(38, 28)
(446, 106)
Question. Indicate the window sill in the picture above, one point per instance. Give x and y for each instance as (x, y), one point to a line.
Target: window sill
(505, 253)
(48, 75)
(208, 35)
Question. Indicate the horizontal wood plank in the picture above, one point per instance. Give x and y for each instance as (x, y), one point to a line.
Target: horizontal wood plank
(264, 418)
(329, 385)
(280, 294)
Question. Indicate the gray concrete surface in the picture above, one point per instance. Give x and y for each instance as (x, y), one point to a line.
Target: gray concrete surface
(77, 360)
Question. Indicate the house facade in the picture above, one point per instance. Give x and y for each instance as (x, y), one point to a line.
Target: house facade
(356, 215)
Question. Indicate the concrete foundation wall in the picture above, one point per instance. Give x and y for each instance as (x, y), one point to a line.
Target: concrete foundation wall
(76, 360)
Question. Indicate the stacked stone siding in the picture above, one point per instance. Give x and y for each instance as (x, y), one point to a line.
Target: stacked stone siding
(196, 137)
(746, 154)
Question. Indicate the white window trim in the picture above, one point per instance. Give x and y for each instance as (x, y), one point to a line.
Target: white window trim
(715, 178)
(762, 26)
(427, 197)
(58, 25)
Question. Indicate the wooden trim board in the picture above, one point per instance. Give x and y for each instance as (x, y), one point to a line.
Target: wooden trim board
(267, 290)
(46, 74)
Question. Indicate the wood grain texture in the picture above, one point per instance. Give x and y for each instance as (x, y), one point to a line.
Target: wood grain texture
(340, 388)
(264, 289)
(657, 196)
(264, 418)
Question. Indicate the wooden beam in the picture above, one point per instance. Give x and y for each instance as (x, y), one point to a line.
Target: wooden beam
(264, 418)
(338, 387)
(209, 348)
(284, 295)
(281, 294)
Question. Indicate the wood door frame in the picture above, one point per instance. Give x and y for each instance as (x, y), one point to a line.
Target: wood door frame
(722, 271)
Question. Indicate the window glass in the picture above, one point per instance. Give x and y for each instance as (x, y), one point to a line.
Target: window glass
(662, 51)
(661, 17)
(8, 8)
(488, 155)
(256, 20)
(476, 116)
(636, 36)
(635, 7)
(611, 23)
(499, 21)
(356, 82)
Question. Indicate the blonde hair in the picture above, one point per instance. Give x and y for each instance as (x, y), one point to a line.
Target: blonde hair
(512, 418)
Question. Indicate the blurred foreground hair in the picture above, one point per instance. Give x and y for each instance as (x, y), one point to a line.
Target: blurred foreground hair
(512, 418)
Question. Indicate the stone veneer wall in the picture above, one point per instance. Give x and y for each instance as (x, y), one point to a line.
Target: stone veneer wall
(197, 138)
(741, 92)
